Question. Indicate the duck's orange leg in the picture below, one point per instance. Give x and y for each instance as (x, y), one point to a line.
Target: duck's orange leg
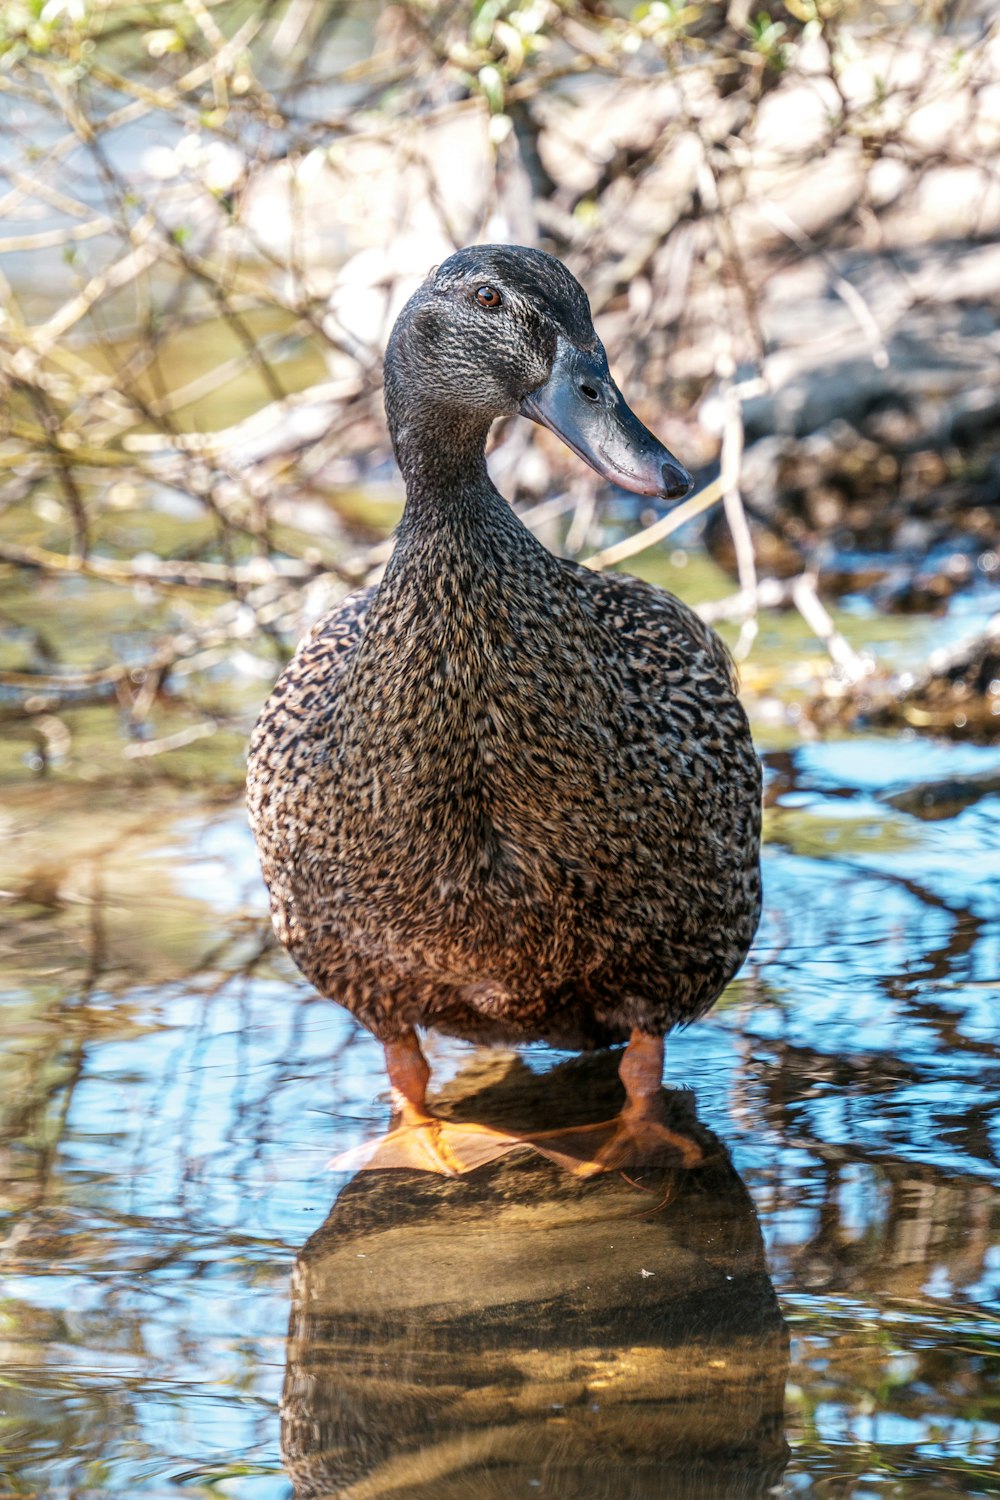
(639, 1136)
(419, 1139)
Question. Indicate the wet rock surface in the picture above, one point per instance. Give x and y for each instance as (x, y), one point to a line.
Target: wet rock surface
(483, 1335)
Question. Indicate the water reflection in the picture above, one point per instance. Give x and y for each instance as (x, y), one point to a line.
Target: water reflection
(518, 1332)
(170, 1094)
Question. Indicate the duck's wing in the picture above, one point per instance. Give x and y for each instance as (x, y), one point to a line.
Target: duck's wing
(333, 640)
(306, 689)
(691, 780)
(654, 630)
(293, 726)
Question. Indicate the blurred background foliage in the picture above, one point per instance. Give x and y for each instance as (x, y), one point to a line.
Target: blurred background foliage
(211, 212)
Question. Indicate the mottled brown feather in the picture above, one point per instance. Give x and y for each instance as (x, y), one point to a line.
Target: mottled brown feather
(500, 794)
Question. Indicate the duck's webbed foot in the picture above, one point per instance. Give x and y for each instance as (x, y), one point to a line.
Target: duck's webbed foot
(419, 1139)
(637, 1138)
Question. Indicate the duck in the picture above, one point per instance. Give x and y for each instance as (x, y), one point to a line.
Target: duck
(500, 795)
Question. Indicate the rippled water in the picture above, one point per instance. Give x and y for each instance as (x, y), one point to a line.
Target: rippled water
(171, 1093)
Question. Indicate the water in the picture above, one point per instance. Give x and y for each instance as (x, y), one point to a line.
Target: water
(172, 1092)
(193, 1304)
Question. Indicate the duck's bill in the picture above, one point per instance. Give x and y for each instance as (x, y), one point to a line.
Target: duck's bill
(582, 405)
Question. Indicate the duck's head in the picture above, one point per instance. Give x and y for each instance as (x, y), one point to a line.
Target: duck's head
(500, 329)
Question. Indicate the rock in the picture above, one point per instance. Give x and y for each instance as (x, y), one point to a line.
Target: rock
(466, 1337)
(317, 212)
(955, 694)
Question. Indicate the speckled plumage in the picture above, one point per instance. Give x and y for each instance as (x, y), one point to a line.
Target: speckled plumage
(500, 794)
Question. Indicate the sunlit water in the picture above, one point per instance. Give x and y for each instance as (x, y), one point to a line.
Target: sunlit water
(172, 1093)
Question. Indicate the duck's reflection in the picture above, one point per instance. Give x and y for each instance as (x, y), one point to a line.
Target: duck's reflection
(520, 1332)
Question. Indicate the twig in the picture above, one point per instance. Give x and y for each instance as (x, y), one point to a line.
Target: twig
(181, 574)
(144, 253)
(770, 593)
(816, 616)
(584, 506)
(746, 563)
(664, 527)
(777, 593)
(141, 749)
(849, 294)
(273, 419)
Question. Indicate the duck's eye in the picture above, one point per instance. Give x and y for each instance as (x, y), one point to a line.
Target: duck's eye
(488, 296)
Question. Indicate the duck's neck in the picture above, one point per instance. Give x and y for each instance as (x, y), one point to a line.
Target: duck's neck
(452, 506)
(473, 612)
(440, 456)
(463, 571)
